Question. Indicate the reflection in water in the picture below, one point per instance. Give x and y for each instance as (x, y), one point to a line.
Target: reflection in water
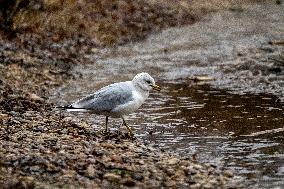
(242, 132)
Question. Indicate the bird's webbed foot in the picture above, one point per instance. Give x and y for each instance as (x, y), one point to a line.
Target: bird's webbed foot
(105, 132)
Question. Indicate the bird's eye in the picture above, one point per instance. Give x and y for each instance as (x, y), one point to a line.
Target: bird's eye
(148, 81)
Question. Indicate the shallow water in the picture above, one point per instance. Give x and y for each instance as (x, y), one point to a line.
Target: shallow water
(242, 132)
(220, 120)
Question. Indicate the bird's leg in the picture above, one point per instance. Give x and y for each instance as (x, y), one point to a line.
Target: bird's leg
(106, 123)
(128, 128)
(105, 132)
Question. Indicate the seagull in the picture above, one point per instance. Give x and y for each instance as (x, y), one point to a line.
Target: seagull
(118, 99)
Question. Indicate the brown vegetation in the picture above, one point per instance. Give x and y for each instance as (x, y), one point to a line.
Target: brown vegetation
(109, 22)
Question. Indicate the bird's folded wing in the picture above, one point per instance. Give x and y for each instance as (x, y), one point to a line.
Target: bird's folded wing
(106, 99)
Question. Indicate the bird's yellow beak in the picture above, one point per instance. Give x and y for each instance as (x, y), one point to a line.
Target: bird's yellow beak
(156, 87)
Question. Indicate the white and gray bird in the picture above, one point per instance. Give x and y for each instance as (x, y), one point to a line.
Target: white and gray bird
(118, 99)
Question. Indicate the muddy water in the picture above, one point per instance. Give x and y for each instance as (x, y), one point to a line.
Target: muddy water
(235, 119)
(242, 132)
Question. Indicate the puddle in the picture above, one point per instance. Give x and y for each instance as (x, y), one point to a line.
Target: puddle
(244, 133)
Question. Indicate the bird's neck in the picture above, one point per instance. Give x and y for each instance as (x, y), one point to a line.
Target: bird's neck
(142, 92)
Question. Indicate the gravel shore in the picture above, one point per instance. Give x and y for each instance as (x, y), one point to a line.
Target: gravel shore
(42, 148)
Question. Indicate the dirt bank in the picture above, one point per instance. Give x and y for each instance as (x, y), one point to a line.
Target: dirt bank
(106, 22)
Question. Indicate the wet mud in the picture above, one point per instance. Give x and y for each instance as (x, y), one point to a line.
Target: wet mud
(243, 133)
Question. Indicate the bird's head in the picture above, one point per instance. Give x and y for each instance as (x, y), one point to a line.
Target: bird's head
(145, 82)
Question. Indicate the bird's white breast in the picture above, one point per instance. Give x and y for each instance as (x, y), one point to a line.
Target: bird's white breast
(131, 106)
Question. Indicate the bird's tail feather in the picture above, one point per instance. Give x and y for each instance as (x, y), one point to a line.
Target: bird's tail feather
(72, 109)
(77, 110)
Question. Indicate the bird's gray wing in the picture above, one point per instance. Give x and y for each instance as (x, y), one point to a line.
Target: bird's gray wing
(107, 98)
